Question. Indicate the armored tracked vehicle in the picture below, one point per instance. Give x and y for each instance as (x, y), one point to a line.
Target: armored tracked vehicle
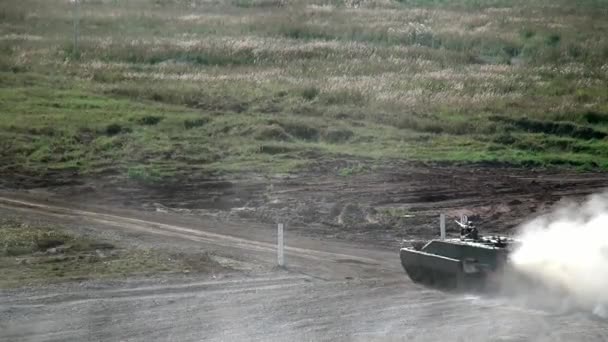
(469, 262)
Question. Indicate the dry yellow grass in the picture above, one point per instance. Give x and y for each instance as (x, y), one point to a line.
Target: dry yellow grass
(461, 57)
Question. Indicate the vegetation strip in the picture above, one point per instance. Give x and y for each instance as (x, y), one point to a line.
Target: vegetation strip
(161, 91)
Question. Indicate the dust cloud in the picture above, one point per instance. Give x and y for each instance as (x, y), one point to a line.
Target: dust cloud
(567, 250)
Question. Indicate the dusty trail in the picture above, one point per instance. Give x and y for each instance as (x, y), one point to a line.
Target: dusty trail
(301, 258)
(332, 291)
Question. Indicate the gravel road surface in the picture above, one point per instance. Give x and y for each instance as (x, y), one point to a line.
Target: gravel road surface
(330, 291)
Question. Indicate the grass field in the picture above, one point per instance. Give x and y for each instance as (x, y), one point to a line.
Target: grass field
(159, 89)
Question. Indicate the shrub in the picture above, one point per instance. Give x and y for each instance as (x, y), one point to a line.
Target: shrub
(145, 53)
(113, 129)
(553, 39)
(438, 125)
(310, 93)
(582, 96)
(48, 240)
(527, 33)
(149, 120)
(6, 64)
(405, 122)
(595, 117)
(14, 14)
(188, 124)
(504, 139)
(274, 149)
(309, 110)
(431, 127)
(301, 130)
(352, 170)
(271, 132)
(299, 31)
(338, 135)
(344, 96)
(555, 128)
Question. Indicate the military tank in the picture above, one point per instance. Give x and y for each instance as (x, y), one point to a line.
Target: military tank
(471, 261)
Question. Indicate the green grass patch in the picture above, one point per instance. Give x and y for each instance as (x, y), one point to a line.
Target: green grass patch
(40, 255)
(152, 142)
(556, 128)
(352, 170)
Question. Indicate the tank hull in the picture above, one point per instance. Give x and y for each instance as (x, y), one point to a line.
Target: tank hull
(455, 264)
(439, 271)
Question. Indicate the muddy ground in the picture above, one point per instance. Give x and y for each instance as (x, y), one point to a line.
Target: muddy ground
(382, 206)
(343, 279)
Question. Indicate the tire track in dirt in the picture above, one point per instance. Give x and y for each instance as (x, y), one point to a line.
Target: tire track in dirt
(298, 311)
(156, 291)
(303, 259)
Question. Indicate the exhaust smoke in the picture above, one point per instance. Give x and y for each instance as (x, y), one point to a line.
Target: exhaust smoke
(568, 250)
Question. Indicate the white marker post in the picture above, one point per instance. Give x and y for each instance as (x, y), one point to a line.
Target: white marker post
(442, 226)
(280, 259)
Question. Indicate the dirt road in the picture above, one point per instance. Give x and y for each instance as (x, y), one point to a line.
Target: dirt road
(332, 290)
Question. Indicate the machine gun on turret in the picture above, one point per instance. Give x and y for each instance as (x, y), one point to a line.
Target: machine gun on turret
(468, 231)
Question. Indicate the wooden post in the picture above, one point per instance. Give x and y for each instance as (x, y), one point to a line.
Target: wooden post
(280, 246)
